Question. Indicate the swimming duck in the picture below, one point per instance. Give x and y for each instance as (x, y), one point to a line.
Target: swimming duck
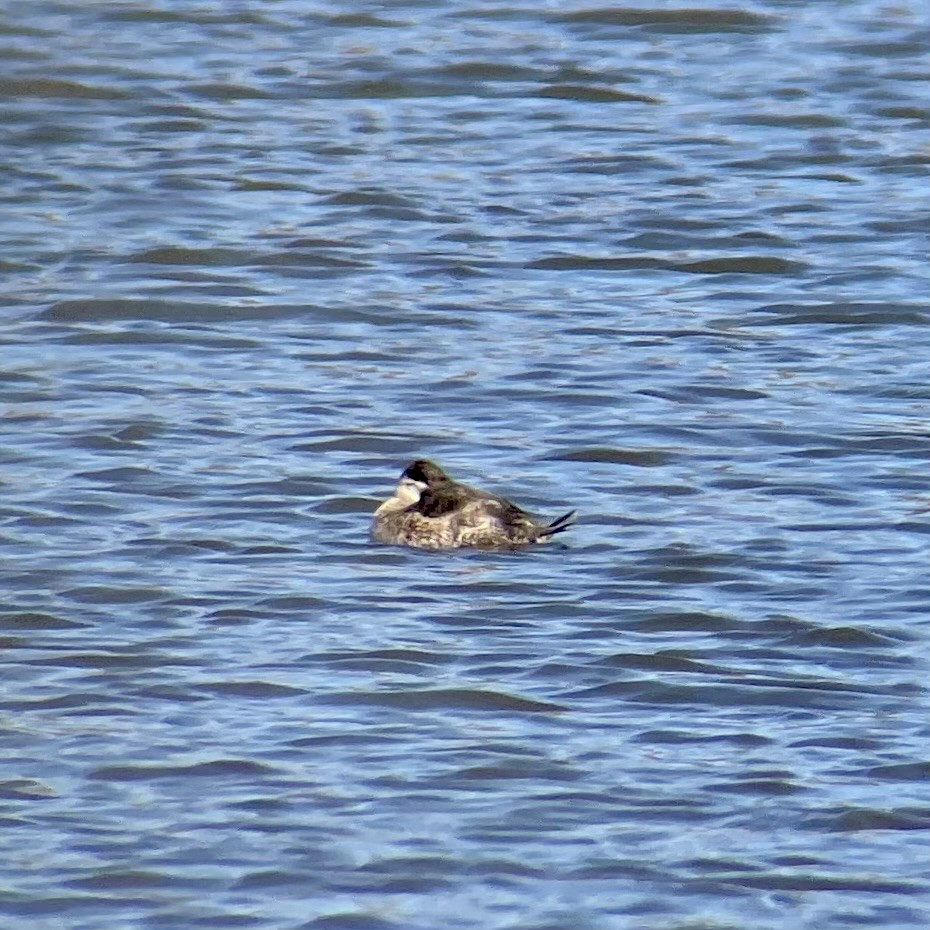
(429, 510)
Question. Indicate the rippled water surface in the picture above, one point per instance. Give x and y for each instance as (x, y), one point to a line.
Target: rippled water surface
(663, 263)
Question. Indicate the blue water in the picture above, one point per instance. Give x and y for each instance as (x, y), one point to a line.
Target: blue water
(663, 264)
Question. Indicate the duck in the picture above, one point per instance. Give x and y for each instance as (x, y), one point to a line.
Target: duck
(429, 510)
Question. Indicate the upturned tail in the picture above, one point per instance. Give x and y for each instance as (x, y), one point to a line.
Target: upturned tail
(557, 526)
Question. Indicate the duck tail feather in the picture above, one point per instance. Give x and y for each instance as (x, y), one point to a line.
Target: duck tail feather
(559, 525)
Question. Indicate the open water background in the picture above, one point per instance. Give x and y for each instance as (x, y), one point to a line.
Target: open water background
(664, 263)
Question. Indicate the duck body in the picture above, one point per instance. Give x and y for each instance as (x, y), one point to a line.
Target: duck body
(429, 510)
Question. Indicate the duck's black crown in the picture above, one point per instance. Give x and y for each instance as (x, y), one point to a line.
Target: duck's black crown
(427, 472)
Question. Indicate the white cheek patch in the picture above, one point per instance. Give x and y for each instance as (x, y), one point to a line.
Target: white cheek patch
(408, 491)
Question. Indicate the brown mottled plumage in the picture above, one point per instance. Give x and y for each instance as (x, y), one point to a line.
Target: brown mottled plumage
(431, 511)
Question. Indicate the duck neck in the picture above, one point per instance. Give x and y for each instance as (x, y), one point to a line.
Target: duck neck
(391, 505)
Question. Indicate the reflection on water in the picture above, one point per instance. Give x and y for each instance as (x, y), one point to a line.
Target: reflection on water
(666, 266)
